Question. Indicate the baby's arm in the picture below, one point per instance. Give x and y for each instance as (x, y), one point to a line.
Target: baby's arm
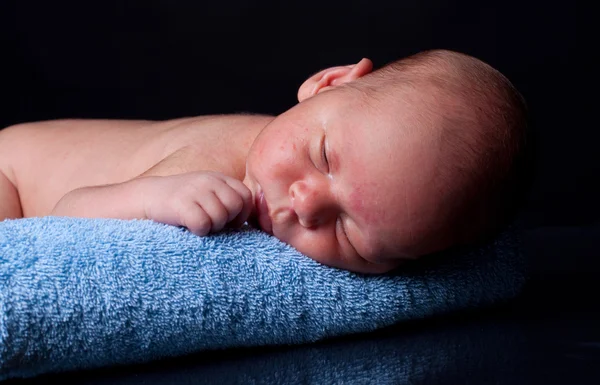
(202, 201)
(10, 207)
(42, 161)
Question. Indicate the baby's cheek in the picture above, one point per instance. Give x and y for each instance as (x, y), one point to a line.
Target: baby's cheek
(356, 200)
(371, 212)
(285, 158)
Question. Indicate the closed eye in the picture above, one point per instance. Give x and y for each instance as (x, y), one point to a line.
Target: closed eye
(324, 154)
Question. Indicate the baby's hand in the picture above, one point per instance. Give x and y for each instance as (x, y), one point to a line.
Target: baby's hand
(202, 201)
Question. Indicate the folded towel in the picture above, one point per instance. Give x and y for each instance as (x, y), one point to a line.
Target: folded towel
(83, 293)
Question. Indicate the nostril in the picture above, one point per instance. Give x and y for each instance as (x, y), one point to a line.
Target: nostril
(303, 223)
(312, 222)
(293, 188)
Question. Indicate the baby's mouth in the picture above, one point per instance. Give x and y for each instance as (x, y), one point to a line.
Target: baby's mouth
(261, 212)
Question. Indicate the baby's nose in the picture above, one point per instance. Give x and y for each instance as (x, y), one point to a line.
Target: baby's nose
(312, 203)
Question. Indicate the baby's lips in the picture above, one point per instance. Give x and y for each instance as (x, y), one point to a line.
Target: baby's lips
(262, 212)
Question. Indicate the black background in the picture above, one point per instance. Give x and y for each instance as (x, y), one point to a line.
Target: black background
(166, 59)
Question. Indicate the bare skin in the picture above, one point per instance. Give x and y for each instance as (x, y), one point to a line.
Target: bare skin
(47, 160)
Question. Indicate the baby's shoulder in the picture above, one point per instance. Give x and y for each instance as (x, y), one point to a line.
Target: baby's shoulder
(213, 131)
(214, 142)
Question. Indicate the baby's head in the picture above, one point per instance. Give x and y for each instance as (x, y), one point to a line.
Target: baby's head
(371, 169)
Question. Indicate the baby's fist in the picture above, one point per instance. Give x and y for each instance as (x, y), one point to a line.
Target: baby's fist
(202, 201)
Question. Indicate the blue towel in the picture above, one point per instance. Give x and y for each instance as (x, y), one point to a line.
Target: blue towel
(82, 293)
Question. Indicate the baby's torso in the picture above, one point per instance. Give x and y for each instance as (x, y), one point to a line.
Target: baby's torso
(60, 156)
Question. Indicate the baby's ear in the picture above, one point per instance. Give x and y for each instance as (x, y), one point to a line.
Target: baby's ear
(332, 77)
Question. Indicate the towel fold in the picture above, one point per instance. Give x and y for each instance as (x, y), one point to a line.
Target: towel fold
(82, 293)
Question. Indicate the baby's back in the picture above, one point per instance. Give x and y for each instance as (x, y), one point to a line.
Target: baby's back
(46, 160)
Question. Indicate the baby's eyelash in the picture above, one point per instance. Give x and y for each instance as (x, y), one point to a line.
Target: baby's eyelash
(324, 153)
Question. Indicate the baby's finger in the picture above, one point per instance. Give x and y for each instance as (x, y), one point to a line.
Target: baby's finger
(195, 219)
(241, 218)
(231, 200)
(245, 195)
(216, 210)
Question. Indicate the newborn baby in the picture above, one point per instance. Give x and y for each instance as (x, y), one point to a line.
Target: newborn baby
(368, 170)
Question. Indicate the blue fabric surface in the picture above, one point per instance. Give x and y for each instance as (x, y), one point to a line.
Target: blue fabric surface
(83, 293)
